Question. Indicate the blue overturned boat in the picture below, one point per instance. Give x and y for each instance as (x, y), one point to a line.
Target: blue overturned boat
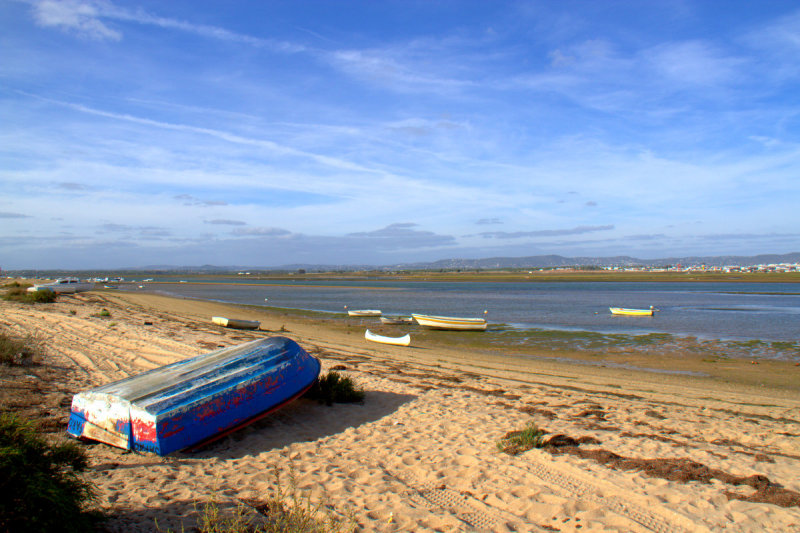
(194, 401)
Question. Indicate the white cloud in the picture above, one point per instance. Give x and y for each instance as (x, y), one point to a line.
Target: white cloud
(86, 18)
(77, 16)
(694, 63)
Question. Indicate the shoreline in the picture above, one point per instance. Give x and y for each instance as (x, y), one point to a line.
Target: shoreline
(687, 357)
(420, 454)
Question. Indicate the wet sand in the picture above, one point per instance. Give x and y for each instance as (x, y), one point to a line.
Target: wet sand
(420, 454)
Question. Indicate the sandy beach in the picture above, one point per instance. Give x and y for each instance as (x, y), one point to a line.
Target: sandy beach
(659, 452)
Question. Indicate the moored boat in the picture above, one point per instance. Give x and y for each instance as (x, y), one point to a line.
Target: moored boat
(396, 320)
(193, 401)
(364, 312)
(236, 323)
(631, 312)
(450, 322)
(405, 340)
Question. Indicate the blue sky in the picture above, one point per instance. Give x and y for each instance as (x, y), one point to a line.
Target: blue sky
(380, 132)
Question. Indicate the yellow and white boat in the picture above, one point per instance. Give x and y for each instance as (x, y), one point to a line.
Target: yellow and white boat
(450, 322)
(631, 312)
(236, 323)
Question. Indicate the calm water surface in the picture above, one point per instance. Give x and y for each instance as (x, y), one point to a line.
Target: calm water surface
(768, 312)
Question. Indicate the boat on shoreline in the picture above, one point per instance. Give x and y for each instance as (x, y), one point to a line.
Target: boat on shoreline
(450, 322)
(397, 320)
(235, 323)
(631, 312)
(195, 401)
(364, 312)
(405, 340)
(64, 286)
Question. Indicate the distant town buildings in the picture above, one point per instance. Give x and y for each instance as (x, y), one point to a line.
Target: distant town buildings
(779, 267)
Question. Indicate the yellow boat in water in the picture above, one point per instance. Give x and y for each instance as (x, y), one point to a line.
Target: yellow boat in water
(450, 322)
(631, 312)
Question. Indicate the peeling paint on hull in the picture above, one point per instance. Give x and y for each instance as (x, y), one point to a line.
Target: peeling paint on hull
(188, 402)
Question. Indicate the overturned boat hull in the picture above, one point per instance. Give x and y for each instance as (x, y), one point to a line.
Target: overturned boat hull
(192, 401)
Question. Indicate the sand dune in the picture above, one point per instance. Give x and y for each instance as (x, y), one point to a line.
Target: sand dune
(420, 454)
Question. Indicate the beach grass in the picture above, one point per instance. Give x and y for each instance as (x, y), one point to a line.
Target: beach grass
(284, 509)
(516, 442)
(335, 388)
(21, 294)
(42, 482)
(16, 351)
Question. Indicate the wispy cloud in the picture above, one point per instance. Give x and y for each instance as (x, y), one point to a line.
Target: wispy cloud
(401, 236)
(225, 222)
(263, 232)
(87, 18)
(235, 137)
(81, 17)
(188, 199)
(72, 186)
(544, 233)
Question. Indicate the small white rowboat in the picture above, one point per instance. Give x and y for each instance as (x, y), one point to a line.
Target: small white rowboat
(364, 312)
(451, 322)
(631, 312)
(405, 340)
(236, 323)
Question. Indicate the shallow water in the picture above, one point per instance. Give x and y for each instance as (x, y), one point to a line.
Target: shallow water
(747, 319)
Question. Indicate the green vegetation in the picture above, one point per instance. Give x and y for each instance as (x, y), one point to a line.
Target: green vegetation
(335, 388)
(103, 313)
(284, 510)
(17, 285)
(41, 483)
(516, 442)
(18, 351)
(21, 294)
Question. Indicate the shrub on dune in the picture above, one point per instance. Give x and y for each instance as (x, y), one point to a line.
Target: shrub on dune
(41, 482)
(335, 388)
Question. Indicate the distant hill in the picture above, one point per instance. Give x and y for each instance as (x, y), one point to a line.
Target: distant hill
(491, 263)
(552, 261)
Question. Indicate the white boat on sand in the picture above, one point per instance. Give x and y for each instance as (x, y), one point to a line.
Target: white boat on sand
(405, 340)
(236, 323)
(364, 312)
(450, 322)
(64, 286)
